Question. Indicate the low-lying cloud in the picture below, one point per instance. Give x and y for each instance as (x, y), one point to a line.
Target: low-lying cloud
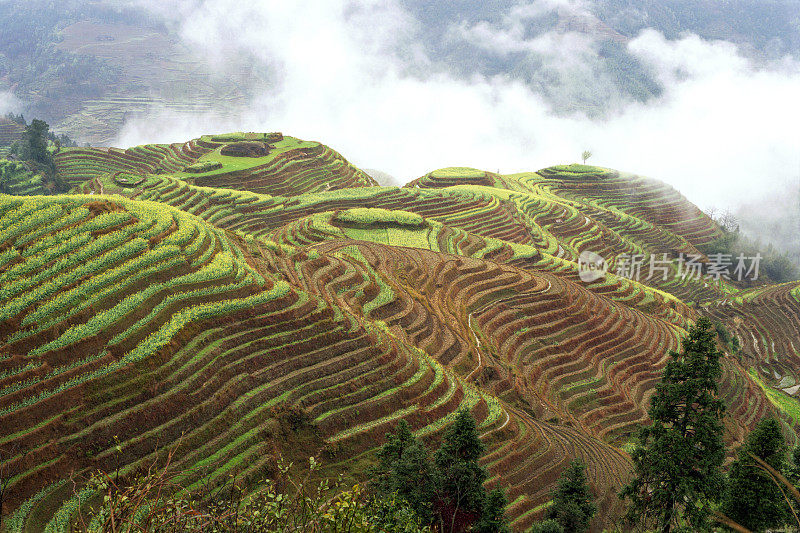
(9, 103)
(356, 77)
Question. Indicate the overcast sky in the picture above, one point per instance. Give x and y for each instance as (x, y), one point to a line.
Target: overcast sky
(359, 77)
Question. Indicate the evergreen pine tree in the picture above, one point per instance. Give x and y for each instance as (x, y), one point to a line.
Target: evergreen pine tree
(752, 498)
(793, 469)
(34, 143)
(461, 492)
(406, 471)
(677, 465)
(449, 491)
(493, 514)
(572, 500)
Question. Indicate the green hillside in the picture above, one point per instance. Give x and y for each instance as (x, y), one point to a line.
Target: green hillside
(244, 297)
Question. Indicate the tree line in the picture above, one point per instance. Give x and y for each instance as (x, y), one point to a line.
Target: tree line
(36, 148)
(678, 482)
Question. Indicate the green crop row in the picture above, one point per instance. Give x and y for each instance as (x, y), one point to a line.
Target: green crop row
(37, 237)
(17, 386)
(211, 274)
(161, 337)
(18, 370)
(62, 519)
(785, 403)
(361, 428)
(371, 215)
(91, 298)
(385, 295)
(14, 387)
(7, 205)
(77, 380)
(8, 256)
(93, 259)
(96, 284)
(106, 319)
(29, 220)
(184, 234)
(795, 293)
(421, 370)
(17, 522)
(34, 263)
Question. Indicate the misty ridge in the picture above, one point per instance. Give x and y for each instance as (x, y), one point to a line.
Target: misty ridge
(700, 96)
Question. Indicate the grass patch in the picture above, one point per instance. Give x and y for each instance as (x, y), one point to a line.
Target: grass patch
(203, 166)
(231, 164)
(247, 136)
(787, 404)
(458, 172)
(372, 215)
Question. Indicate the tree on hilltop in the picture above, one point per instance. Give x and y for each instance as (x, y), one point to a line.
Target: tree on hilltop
(586, 155)
(33, 146)
(677, 464)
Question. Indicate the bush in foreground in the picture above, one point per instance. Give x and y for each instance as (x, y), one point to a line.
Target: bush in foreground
(155, 503)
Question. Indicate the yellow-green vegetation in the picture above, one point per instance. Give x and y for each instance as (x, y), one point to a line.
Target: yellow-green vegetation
(17, 179)
(241, 307)
(576, 168)
(458, 172)
(368, 216)
(231, 164)
(203, 166)
(788, 405)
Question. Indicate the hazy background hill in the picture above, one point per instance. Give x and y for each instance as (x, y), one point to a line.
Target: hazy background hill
(86, 66)
(700, 94)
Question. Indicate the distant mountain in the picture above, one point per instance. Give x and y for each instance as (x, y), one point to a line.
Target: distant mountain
(87, 67)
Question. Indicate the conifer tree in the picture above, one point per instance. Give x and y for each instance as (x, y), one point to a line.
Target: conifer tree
(572, 500)
(793, 469)
(493, 515)
(34, 143)
(461, 492)
(677, 463)
(406, 471)
(752, 498)
(448, 491)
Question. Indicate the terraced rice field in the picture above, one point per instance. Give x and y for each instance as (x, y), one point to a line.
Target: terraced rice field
(10, 131)
(17, 179)
(286, 304)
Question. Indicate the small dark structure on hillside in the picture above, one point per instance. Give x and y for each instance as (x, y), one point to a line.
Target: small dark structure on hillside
(245, 149)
